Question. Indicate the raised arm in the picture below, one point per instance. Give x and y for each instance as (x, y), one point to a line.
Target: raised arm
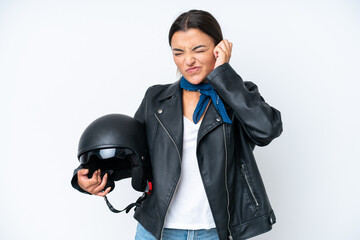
(261, 122)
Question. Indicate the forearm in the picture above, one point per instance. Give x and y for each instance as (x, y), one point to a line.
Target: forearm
(261, 121)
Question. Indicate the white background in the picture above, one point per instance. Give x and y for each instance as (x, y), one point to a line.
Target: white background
(65, 63)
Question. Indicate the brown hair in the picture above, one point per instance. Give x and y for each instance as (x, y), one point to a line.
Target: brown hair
(197, 19)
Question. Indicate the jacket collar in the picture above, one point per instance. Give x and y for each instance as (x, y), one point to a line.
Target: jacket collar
(211, 120)
(173, 89)
(170, 115)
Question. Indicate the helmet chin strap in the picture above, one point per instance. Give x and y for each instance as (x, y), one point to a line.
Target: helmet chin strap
(129, 207)
(135, 204)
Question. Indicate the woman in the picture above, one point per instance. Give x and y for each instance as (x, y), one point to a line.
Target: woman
(201, 132)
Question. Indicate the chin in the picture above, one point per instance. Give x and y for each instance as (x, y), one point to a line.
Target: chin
(195, 80)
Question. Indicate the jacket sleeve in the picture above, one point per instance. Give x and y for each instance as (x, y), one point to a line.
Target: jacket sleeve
(141, 116)
(74, 181)
(261, 122)
(141, 112)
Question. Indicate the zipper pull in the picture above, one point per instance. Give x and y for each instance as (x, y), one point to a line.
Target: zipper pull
(242, 168)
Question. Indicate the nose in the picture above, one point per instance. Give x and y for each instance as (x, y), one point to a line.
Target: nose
(189, 59)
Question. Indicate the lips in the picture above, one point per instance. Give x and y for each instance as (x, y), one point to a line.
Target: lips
(192, 69)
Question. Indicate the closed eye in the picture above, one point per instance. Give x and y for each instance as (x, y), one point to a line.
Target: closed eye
(177, 51)
(200, 48)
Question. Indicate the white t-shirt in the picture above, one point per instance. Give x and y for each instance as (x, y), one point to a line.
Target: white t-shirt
(189, 208)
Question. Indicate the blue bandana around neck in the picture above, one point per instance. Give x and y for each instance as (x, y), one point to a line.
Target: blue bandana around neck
(207, 92)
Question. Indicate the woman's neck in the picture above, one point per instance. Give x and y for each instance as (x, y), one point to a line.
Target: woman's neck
(190, 100)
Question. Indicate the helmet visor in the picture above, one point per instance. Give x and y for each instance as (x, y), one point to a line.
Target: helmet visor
(105, 153)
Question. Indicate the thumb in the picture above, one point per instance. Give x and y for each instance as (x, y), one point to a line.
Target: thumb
(83, 172)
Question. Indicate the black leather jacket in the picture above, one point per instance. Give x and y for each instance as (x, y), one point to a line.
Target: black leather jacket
(232, 181)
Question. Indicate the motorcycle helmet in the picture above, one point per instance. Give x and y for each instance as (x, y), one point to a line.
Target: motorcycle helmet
(116, 144)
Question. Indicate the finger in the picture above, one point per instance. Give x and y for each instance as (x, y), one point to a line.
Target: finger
(230, 46)
(88, 184)
(83, 178)
(91, 182)
(227, 46)
(102, 184)
(216, 52)
(99, 175)
(229, 49)
(226, 49)
(102, 194)
(222, 45)
(219, 50)
(95, 175)
(219, 44)
(95, 179)
(83, 172)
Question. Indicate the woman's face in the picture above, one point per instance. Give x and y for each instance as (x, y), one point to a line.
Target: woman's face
(193, 54)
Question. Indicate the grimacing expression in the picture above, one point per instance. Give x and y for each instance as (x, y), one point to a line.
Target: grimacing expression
(193, 54)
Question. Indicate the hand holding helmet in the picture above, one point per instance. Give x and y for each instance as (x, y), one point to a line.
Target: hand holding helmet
(111, 148)
(94, 185)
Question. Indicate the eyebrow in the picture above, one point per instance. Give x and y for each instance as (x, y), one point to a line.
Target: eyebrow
(199, 46)
(194, 48)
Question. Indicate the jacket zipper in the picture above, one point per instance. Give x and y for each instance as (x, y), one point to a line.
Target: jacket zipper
(248, 183)
(226, 185)
(177, 184)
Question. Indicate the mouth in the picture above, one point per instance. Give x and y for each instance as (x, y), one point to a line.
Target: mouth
(192, 69)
